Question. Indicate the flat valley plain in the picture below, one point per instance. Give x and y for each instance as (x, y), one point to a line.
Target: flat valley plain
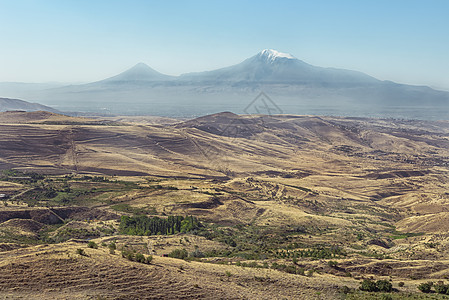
(290, 207)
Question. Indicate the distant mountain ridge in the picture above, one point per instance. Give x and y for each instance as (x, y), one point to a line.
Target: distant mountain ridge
(294, 85)
(271, 66)
(268, 66)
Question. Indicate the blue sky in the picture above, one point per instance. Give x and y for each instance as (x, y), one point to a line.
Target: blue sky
(406, 41)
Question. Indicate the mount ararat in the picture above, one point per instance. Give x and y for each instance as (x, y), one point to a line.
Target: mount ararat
(293, 86)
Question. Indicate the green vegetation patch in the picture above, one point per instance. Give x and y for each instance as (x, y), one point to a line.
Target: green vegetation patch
(396, 235)
(123, 207)
(143, 225)
(320, 252)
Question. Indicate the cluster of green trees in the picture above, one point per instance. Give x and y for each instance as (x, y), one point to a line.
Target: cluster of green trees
(20, 177)
(291, 269)
(143, 225)
(166, 187)
(179, 253)
(96, 178)
(136, 256)
(319, 253)
(440, 287)
(376, 286)
(134, 210)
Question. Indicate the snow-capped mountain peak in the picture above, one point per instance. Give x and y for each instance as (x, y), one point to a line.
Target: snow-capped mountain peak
(271, 55)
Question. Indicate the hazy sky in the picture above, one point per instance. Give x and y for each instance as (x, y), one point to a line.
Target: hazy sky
(406, 41)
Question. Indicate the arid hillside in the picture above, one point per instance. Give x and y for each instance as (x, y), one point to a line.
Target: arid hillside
(290, 206)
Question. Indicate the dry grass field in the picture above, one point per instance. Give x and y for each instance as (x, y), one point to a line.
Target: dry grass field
(291, 207)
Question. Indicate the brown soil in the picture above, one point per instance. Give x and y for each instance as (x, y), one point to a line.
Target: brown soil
(57, 272)
(25, 225)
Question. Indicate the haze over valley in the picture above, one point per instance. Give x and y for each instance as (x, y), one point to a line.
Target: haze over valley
(295, 86)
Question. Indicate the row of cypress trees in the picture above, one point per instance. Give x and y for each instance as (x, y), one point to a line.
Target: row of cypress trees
(143, 225)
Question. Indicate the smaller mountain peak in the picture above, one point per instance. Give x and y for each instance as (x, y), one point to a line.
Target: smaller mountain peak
(271, 55)
(141, 65)
(139, 72)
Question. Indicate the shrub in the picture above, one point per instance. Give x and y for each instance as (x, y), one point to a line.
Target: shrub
(401, 284)
(197, 253)
(112, 246)
(149, 259)
(441, 288)
(345, 290)
(128, 254)
(178, 253)
(425, 287)
(81, 252)
(228, 274)
(332, 263)
(384, 286)
(378, 286)
(140, 258)
(290, 269)
(253, 264)
(368, 286)
(92, 244)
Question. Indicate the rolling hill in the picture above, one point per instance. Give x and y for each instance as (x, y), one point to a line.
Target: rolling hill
(290, 206)
(16, 104)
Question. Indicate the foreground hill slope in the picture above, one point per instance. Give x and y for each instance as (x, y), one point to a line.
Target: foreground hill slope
(56, 271)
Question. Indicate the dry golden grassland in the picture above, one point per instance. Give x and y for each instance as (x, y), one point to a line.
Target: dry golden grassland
(291, 207)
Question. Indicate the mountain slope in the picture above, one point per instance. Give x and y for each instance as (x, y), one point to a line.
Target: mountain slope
(271, 66)
(140, 72)
(16, 104)
(294, 86)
